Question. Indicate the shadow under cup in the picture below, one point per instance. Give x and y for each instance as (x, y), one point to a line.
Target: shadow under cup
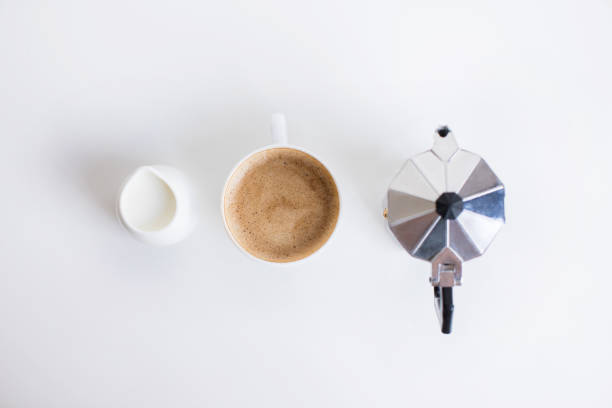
(281, 204)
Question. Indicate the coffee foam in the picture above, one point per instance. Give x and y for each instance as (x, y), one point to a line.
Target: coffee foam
(281, 205)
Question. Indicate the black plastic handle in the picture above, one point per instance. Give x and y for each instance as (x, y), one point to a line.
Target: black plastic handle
(444, 304)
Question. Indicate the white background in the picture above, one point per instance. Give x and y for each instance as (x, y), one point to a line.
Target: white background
(90, 317)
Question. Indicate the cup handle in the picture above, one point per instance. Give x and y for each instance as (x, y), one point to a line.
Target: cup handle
(279, 129)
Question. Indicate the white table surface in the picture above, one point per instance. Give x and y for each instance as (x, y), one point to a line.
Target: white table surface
(90, 317)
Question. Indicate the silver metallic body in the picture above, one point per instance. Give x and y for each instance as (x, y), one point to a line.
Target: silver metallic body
(414, 221)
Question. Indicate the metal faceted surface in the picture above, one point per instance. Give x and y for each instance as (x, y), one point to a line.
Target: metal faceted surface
(439, 175)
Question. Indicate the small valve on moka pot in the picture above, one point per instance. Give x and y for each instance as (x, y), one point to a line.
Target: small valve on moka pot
(445, 206)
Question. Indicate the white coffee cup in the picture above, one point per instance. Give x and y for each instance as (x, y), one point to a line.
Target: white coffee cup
(279, 139)
(155, 205)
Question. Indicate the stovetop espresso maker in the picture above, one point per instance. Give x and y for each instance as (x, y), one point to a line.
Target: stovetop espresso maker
(445, 206)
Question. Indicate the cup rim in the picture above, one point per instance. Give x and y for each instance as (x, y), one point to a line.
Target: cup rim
(262, 149)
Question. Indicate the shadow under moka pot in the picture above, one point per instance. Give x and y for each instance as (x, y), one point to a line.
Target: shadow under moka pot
(445, 206)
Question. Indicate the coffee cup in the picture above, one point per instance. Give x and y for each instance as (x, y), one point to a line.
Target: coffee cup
(280, 204)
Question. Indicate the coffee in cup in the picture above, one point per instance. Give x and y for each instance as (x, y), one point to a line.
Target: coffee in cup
(280, 204)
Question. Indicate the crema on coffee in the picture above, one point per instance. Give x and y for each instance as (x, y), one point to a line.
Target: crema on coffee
(281, 205)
